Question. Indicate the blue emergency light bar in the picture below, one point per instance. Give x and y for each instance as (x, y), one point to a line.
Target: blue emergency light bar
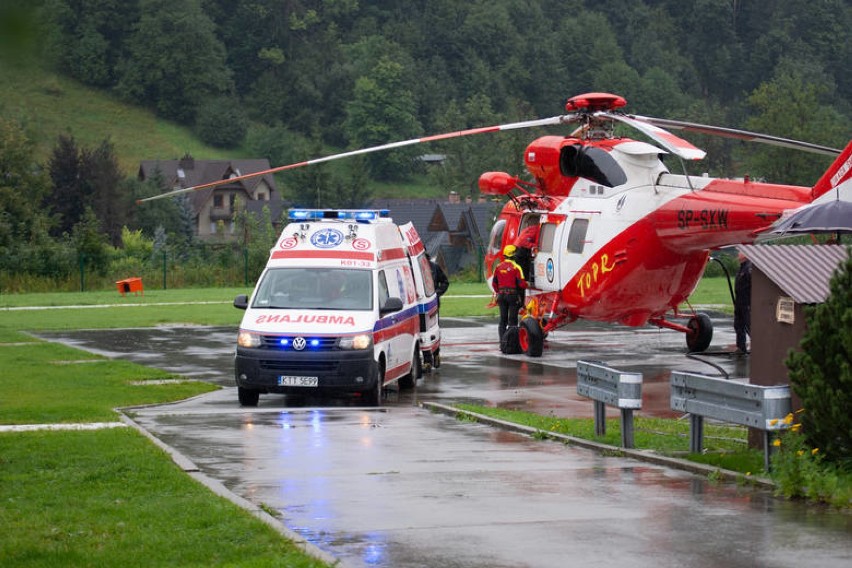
(362, 215)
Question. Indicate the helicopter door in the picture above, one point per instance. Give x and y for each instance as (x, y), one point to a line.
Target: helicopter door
(545, 265)
(560, 253)
(574, 244)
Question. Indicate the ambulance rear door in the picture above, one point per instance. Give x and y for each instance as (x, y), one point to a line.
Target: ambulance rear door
(426, 297)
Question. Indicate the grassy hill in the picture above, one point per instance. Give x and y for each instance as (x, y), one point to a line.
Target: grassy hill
(49, 105)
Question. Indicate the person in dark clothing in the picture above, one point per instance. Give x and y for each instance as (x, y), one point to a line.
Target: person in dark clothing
(509, 284)
(439, 279)
(742, 304)
(526, 244)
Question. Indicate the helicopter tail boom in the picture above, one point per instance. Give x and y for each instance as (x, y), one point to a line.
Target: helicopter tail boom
(839, 173)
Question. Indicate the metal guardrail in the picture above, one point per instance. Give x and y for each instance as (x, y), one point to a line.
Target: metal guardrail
(760, 407)
(608, 386)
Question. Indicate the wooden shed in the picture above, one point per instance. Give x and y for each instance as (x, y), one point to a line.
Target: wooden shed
(785, 279)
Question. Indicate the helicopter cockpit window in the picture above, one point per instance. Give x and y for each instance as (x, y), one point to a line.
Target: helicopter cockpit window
(591, 163)
(577, 235)
(496, 236)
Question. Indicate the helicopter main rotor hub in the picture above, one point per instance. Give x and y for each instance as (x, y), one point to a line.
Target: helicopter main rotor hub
(595, 102)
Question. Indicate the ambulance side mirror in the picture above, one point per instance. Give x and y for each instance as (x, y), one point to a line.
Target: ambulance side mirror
(241, 302)
(391, 305)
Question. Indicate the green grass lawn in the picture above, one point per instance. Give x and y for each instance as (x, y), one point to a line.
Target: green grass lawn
(109, 497)
(55, 383)
(725, 445)
(713, 292)
(104, 310)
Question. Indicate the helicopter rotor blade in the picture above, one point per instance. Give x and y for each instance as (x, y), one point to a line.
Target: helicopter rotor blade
(737, 134)
(553, 120)
(674, 144)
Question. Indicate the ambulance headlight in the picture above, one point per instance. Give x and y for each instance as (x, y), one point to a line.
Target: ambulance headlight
(362, 341)
(247, 339)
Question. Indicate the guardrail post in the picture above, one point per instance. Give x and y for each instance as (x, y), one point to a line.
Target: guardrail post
(607, 386)
(768, 449)
(696, 433)
(627, 428)
(600, 418)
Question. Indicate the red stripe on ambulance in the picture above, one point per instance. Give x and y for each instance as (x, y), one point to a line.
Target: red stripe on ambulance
(391, 254)
(324, 254)
(408, 326)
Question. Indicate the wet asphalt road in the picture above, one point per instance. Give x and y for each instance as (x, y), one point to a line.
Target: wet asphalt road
(402, 487)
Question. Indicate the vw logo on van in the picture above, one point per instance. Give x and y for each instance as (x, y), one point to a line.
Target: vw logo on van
(327, 238)
(299, 343)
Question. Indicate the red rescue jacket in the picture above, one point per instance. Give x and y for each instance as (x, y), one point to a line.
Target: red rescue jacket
(508, 278)
(528, 238)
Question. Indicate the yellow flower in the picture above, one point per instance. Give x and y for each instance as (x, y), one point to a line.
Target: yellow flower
(800, 411)
(814, 451)
(788, 419)
(796, 427)
(776, 442)
(800, 453)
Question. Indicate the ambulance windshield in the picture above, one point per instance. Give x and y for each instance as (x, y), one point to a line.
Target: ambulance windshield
(315, 289)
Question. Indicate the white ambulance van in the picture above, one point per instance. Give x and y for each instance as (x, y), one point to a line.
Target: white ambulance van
(345, 305)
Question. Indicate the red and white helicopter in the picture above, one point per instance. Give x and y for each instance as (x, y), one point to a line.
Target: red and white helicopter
(621, 238)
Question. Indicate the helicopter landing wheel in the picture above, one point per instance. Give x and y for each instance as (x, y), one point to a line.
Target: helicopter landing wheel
(700, 333)
(531, 337)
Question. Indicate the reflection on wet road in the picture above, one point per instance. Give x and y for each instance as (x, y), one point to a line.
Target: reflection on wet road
(399, 486)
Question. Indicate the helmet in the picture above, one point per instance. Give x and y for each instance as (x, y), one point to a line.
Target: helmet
(509, 251)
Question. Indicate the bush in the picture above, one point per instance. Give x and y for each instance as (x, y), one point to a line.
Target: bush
(800, 471)
(727, 265)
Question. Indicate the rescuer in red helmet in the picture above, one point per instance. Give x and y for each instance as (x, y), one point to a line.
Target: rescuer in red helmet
(509, 284)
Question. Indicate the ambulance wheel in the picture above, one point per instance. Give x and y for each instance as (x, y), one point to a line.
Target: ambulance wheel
(531, 337)
(248, 397)
(700, 333)
(373, 397)
(409, 380)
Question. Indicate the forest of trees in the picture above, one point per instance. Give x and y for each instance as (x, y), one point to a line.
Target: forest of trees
(290, 79)
(364, 72)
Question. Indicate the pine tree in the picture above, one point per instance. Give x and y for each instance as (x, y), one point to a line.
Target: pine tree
(821, 373)
(90, 243)
(68, 195)
(109, 197)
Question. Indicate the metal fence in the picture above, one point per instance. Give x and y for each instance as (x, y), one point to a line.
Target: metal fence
(200, 265)
(761, 407)
(608, 386)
